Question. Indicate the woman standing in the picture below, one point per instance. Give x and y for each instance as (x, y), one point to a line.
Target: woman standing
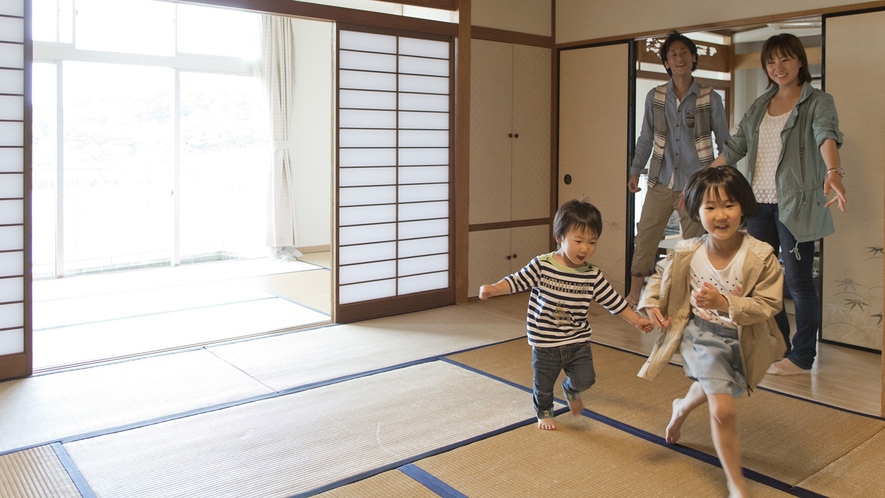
(791, 138)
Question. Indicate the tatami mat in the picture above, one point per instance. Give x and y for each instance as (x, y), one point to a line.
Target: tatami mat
(859, 473)
(35, 472)
(581, 457)
(390, 484)
(303, 441)
(783, 438)
(309, 356)
(309, 288)
(165, 331)
(47, 408)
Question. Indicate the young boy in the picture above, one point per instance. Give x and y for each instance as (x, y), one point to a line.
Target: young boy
(563, 284)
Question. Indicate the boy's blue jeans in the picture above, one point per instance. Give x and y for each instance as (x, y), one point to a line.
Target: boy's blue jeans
(547, 363)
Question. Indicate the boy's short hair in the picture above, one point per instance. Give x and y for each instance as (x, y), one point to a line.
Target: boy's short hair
(579, 214)
(674, 37)
(729, 179)
(790, 46)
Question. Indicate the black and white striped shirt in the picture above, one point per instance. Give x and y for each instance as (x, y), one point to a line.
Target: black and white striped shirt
(560, 300)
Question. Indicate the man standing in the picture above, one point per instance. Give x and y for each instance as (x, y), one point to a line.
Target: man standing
(680, 117)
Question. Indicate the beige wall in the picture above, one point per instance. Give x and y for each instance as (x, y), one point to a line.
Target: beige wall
(523, 16)
(578, 20)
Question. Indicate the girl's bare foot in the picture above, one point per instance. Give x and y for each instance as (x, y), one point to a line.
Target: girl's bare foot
(576, 405)
(676, 420)
(546, 424)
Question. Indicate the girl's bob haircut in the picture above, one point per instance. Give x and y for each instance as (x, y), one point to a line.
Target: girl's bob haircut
(786, 45)
(726, 178)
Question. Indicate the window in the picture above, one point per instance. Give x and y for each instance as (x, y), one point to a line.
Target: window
(151, 138)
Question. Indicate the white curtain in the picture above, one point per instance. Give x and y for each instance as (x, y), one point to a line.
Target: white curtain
(277, 71)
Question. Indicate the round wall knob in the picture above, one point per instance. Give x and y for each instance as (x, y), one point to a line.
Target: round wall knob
(567, 179)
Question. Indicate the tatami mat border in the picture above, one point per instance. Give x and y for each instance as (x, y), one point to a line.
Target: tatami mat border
(73, 472)
(636, 432)
(430, 481)
(426, 454)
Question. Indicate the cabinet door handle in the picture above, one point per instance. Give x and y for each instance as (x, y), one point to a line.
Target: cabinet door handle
(516, 135)
(510, 135)
(514, 256)
(508, 257)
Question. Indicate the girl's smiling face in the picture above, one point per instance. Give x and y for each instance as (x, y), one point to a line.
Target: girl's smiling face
(576, 246)
(720, 215)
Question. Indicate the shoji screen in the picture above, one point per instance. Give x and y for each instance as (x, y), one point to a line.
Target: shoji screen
(394, 172)
(14, 136)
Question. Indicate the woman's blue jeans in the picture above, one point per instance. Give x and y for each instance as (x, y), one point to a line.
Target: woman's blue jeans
(798, 265)
(547, 363)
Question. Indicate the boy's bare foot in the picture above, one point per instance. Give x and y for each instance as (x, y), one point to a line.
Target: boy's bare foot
(576, 405)
(676, 420)
(546, 424)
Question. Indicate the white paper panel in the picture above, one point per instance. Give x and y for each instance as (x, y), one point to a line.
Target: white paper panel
(357, 99)
(368, 62)
(12, 341)
(423, 84)
(369, 42)
(423, 157)
(366, 157)
(12, 212)
(427, 264)
(419, 193)
(12, 107)
(420, 247)
(12, 134)
(12, 29)
(424, 66)
(12, 315)
(12, 160)
(424, 174)
(366, 272)
(349, 118)
(12, 55)
(425, 48)
(422, 283)
(12, 264)
(418, 229)
(366, 292)
(424, 120)
(12, 186)
(12, 238)
(364, 80)
(423, 211)
(367, 252)
(366, 234)
(358, 196)
(365, 215)
(418, 102)
(423, 138)
(12, 81)
(12, 289)
(367, 138)
(354, 177)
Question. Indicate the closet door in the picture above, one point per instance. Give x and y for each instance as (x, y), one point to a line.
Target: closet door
(852, 271)
(15, 221)
(593, 145)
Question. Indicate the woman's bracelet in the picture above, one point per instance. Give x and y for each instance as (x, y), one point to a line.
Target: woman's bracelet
(837, 170)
